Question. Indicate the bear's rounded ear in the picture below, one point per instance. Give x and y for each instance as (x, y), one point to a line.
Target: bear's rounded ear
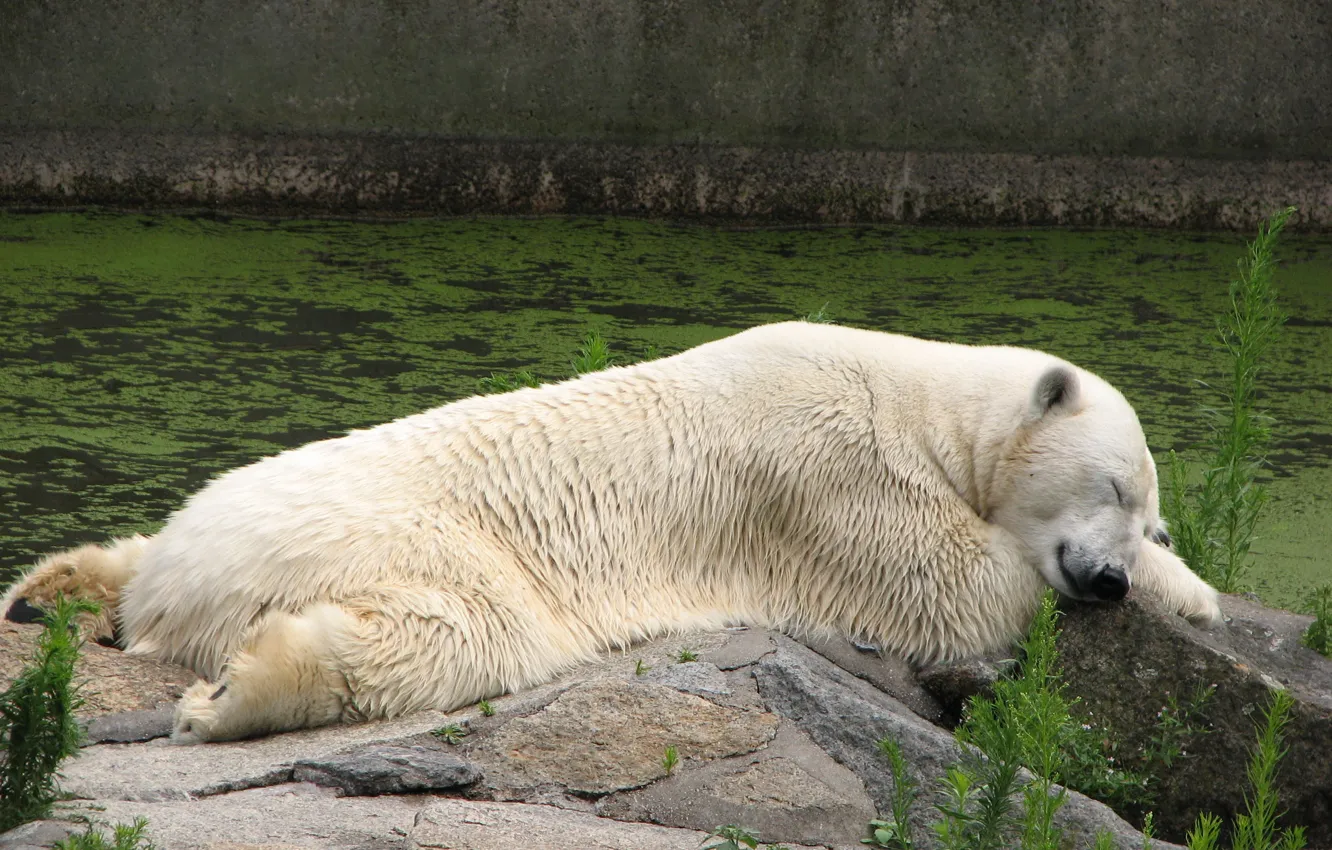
(1056, 390)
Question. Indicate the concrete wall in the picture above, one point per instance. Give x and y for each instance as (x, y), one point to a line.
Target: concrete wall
(1226, 87)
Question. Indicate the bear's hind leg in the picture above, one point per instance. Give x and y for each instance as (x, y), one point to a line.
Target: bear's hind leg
(284, 677)
(389, 652)
(95, 573)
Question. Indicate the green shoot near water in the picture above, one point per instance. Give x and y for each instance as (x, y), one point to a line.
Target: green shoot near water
(593, 356)
(38, 729)
(1212, 523)
(1318, 636)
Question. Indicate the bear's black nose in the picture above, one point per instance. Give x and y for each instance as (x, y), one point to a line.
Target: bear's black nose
(1110, 584)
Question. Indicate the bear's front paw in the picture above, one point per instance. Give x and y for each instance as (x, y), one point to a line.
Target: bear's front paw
(197, 713)
(1205, 610)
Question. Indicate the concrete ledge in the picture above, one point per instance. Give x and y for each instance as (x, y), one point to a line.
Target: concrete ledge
(378, 174)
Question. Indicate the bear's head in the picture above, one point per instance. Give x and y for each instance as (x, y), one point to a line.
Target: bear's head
(1077, 485)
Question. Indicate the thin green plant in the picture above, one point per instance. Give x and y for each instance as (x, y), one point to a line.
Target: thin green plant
(132, 836)
(486, 709)
(641, 667)
(1212, 523)
(38, 727)
(1318, 636)
(671, 759)
(1256, 827)
(686, 656)
(896, 833)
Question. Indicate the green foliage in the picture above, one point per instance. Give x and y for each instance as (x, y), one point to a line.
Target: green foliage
(820, 316)
(503, 382)
(1206, 833)
(1256, 828)
(124, 837)
(1104, 841)
(897, 832)
(1212, 524)
(450, 734)
(671, 758)
(1176, 725)
(686, 656)
(1318, 636)
(640, 667)
(732, 837)
(38, 729)
(1029, 722)
(486, 709)
(593, 356)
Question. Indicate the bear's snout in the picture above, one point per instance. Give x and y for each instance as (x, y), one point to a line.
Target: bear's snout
(1111, 584)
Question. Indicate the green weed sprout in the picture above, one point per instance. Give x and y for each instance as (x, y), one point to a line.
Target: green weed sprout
(1256, 828)
(820, 316)
(1212, 524)
(123, 837)
(38, 729)
(450, 734)
(896, 833)
(641, 667)
(503, 382)
(593, 356)
(486, 709)
(1318, 636)
(731, 837)
(670, 759)
(686, 656)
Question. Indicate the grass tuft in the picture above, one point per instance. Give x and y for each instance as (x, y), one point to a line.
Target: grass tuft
(123, 837)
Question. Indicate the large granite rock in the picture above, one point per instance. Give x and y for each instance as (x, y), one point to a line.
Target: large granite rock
(1125, 661)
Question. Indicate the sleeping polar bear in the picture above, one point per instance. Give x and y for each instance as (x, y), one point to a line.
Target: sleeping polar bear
(803, 477)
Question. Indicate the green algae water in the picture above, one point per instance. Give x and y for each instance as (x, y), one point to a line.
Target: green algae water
(141, 355)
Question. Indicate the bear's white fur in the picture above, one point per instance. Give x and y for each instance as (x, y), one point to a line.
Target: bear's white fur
(803, 477)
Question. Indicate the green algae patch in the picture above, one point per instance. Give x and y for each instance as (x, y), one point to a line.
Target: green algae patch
(141, 355)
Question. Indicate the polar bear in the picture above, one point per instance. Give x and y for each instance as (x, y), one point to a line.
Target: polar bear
(804, 477)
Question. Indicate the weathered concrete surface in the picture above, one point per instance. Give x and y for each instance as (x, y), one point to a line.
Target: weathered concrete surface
(1125, 661)
(374, 173)
(1212, 79)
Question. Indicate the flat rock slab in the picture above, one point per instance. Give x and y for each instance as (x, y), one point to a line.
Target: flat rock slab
(611, 735)
(276, 818)
(790, 791)
(112, 681)
(692, 677)
(388, 770)
(466, 825)
(161, 771)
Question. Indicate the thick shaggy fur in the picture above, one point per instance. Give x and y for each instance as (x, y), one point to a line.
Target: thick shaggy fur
(799, 477)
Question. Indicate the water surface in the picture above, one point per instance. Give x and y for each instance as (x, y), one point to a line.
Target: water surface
(140, 355)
